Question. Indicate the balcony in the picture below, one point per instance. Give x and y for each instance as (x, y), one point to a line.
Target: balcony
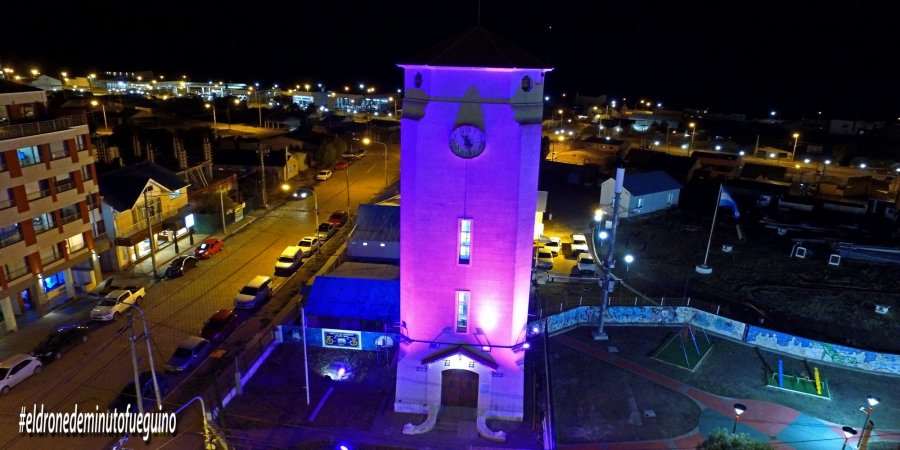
(40, 127)
(70, 218)
(10, 240)
(155, 219)
(67, 186)
(8, 203)
(38, 194)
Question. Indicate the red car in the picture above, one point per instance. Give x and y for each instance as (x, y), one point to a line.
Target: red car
(341, 165)
(208, 248)
(338, 219)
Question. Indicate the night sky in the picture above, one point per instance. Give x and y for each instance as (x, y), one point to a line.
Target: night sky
(729, 56)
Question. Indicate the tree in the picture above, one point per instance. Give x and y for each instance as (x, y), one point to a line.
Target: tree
(721, 439)
(326, 155)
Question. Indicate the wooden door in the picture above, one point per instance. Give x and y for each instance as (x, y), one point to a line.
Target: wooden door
(459, 388)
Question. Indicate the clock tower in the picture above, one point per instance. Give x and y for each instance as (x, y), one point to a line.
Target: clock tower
(470, 149)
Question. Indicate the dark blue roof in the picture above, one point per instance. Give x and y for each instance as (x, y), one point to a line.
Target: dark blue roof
(356, 298)
(121, 188)
(650, 183)
(377, 223)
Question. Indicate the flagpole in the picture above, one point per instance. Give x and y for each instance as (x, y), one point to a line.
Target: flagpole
(703, 268)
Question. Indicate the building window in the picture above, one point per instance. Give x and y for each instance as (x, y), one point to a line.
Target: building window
(86, 172)
(43, 222)
(75, 243)
(462, 311)
(58, 150)
(640, 202)
(54, 281)
(465, 241)
(670, 198)
(79, 142)
(29, 156)
(175, 194)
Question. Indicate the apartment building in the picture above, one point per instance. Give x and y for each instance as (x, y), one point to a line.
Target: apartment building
(50, 219)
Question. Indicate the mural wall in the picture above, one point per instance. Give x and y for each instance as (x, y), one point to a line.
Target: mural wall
(773, 340)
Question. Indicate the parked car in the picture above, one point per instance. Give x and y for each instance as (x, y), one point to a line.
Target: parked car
(544, 259)
(180, 265)
(148, 393)
(554, 245)
(309, 245)
(341, 165)
(579, 244)
(289, 260)
(339, 219)
(17, 368)
(257, 291)
(325, 231)
(117, 302)
(208, 248)
(60, 341)
(219, 326)
(324, 175)
(586, 264)
(354, 154)
(188, 354)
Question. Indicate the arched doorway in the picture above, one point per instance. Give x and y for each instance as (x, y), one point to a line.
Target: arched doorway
(459, 388)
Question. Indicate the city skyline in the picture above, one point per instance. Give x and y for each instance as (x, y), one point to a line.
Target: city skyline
(726, 58)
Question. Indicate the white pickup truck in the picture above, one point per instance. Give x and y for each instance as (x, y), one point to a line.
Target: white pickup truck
(116, 302)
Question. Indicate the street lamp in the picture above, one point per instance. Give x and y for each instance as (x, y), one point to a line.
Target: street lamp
(848, 433)
(560, 118)
(693, 127)
(94, 103)
(872, 400)
(208, 106)
(147, 212)
(367, 141)
(628, 260)
(738, 410)
(796, 139)
(304, 193)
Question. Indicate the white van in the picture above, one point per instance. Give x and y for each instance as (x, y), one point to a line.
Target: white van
(289, 260)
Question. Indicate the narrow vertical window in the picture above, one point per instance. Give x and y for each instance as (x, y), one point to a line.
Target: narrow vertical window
(465, 241)
(462, 311)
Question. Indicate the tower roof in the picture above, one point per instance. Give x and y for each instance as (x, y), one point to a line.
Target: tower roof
(476, 47)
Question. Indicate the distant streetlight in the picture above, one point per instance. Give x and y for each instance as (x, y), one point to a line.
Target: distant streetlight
(560, 118)
(304, 193)
(848, 433)
(94, 103)
(738, 410)
(693, 127)
(628, 260)
(209, 106)
(367, 141)
(796, 139)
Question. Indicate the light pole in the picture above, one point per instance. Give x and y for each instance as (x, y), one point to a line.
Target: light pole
(693, 127)
(150, 232)
(872, 401)
(262, 167)
(347, 177)
(607, 280)
(367, 141)
(103, 107)
(738, 410)
(213, 107)
(560, 118)
(222, 206)
(848, 433)
(796, 139)
(305, 193)
(258, 105)
(628, 260)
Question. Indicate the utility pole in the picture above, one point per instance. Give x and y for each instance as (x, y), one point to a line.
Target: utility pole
(147, 212)
(607, 281)
(347, 174)
(134, 365)
(222, 206)
(262, 166)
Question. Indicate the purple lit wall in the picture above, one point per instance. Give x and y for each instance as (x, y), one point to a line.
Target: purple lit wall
(497, 190)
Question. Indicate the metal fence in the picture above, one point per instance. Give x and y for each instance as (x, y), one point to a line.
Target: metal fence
(45, 126)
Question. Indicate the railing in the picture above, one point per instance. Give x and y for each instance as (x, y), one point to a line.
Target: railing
(12, 275)
(67, 186)
(50, 259)
(38, 194)
(43, 228)
(10, 240)
(46, 126)
(70, 218)
(128, 231)
(9, 203)
(60, 155)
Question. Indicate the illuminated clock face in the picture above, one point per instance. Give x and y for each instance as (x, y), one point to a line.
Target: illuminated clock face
(467, 141)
